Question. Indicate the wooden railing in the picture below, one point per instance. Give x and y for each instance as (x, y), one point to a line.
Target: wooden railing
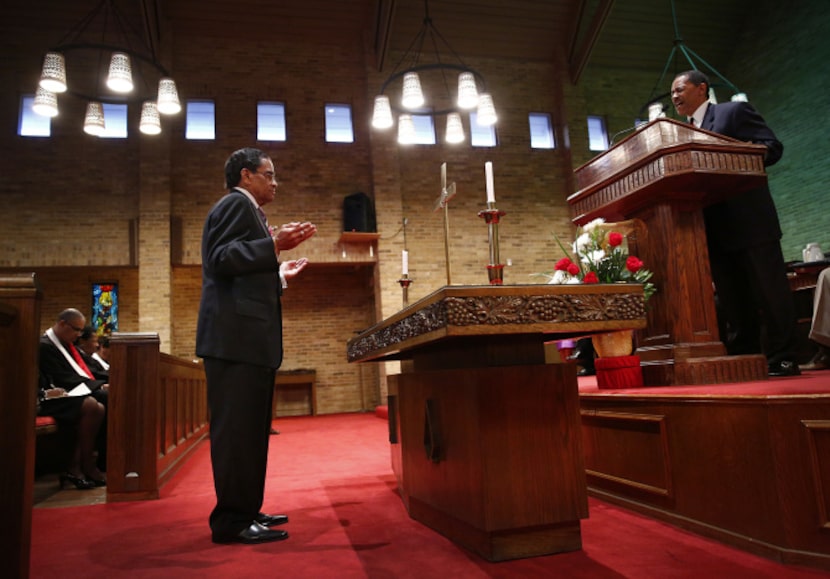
(157, 415)
(20, 299)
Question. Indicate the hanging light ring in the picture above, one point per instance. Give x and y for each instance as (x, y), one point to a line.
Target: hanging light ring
(115, 99)
(424, 67)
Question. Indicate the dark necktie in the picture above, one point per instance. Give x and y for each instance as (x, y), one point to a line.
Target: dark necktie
(692, 121)
(80, 361)
(262, 216)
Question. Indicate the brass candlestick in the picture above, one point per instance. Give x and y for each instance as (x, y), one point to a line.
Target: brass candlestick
(491, 216)
(405, 283)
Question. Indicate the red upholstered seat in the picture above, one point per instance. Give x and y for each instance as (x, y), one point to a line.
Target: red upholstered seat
(45, 424)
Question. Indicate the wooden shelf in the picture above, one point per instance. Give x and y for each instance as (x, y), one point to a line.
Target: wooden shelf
(358, 237)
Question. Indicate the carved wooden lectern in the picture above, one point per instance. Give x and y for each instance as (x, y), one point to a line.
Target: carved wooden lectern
(485, 435)
(665, 174)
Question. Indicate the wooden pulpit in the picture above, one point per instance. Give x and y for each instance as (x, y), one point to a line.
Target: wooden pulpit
(485, 435)
(665, 174)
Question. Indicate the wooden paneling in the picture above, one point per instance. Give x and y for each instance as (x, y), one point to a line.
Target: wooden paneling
(20, 299)
(751, 471)
(507, 477)
(628, 450)
(818, 438)
(157, 415)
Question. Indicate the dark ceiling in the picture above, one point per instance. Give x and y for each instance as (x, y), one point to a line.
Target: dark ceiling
(601, 33)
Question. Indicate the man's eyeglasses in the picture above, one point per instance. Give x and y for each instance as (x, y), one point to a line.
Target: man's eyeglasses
(269, 175)
(79, 330)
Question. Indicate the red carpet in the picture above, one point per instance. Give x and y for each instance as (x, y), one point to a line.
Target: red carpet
(331, 475)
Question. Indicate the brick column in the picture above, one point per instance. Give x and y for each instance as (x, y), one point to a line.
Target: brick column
(154, 210)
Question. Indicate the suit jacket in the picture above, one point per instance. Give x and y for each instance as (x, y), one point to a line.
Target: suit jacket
(240, 316)
(58, 371)
(749, 218)
(95, 366)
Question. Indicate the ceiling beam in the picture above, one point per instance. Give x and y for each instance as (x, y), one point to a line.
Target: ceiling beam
(384, 13)
(583, 44)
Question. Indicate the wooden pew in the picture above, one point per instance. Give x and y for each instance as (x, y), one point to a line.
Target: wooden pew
(157, 415)
(20, 302)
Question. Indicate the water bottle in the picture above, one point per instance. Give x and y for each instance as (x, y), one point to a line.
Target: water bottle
(812, 252)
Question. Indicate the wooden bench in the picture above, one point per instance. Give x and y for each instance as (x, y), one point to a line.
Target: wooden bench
(20, 303)
(158, 414)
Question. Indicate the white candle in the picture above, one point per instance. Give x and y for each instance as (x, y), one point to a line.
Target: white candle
(405, 262)
(488, 174)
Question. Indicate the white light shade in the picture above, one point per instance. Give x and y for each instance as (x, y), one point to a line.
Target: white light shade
(94, 120)
(382, 115)
(120, 78)
(455, 131)
(654, 111)
(150, 123)
(53, 76)
(45, 103)
(413, 97)
(740, 97)
(168, 97)
(486, 113)
(467, 91)
(406, 130)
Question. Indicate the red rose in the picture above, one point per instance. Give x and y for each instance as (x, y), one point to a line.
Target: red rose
(563, 264)
(633, 264)
(590, 277)
(615, 239)
(573, 269)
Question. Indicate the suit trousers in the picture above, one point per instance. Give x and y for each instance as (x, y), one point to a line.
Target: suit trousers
(754, 297)
(820, 328)
(239, 398)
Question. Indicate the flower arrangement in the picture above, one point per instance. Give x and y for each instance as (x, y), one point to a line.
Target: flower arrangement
(600, 255)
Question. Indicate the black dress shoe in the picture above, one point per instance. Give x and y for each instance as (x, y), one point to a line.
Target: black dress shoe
(271, 520)
(784, 368)
(80, 482)
(252, 535)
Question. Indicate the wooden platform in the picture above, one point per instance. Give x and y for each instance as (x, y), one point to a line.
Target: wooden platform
(748, 465)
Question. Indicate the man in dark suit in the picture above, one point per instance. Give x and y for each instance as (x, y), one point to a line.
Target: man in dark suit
(239, 336)
(63, 369)
(744, 236)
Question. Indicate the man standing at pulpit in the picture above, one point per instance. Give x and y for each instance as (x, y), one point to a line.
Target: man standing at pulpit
(744, 236)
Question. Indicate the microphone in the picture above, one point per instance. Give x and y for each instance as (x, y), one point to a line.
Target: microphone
(628, 130)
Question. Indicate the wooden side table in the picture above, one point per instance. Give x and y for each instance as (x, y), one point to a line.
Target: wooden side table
(297, 379)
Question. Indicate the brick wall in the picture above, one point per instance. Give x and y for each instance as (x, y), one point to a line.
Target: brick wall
(70, 201)
(781, 62)
(71, 287)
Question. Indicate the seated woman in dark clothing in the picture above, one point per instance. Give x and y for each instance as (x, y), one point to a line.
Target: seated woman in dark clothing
(81, 414)
(87, 344)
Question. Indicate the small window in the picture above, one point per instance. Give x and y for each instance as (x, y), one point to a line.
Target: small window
(270, 121)
(339, 124)
(541, 133)
(201, 120)
(424, 129)
(481, 136)
(597, 134)
(115, 121)
(31, 124)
